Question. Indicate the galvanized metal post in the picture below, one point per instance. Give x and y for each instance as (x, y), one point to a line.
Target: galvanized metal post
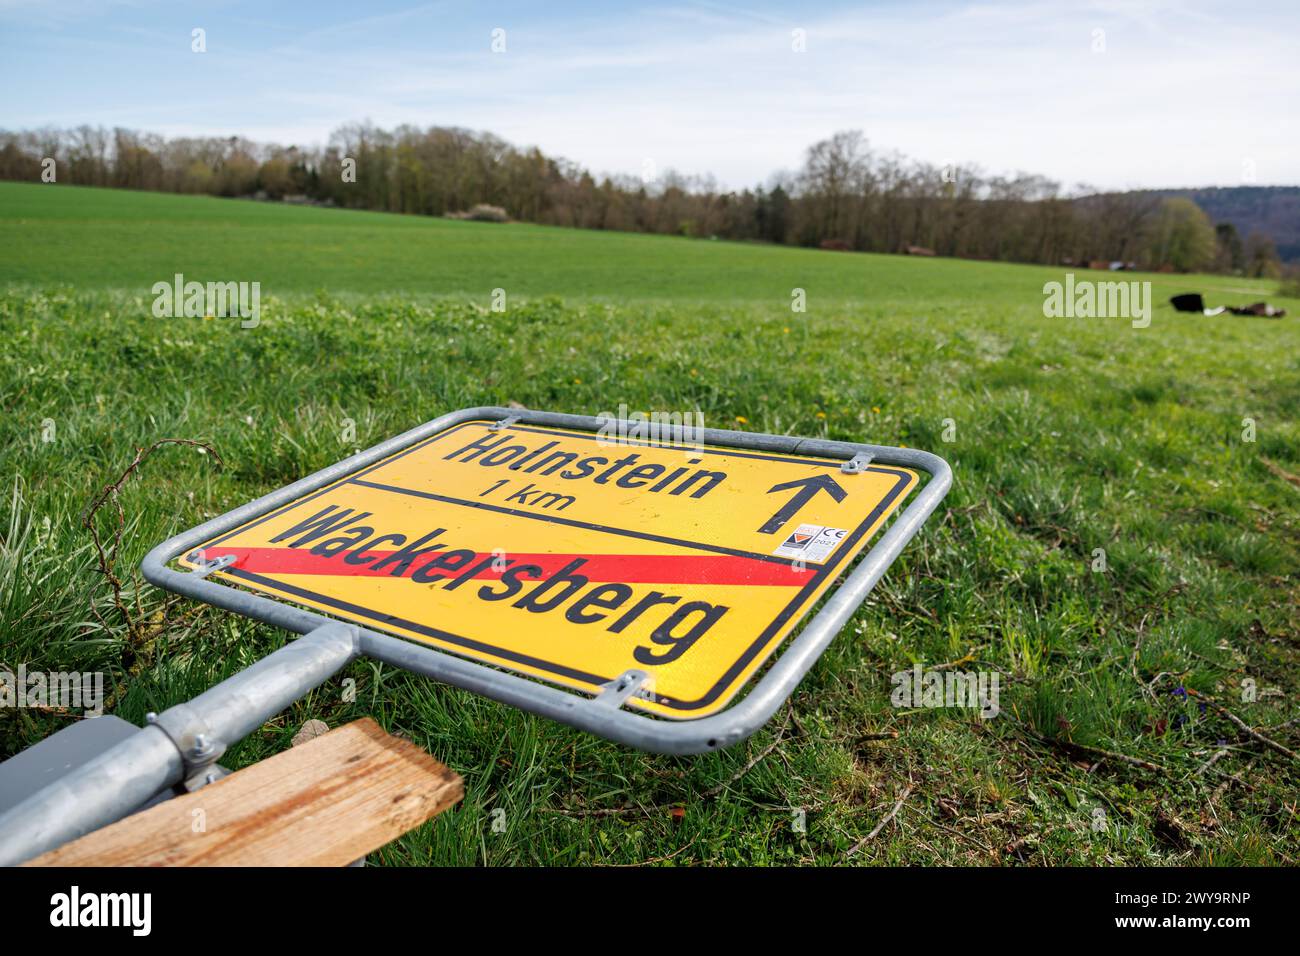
(180, 742)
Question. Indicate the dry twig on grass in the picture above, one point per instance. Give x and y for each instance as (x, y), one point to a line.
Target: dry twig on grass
(1068, 745)
(1231, 779)
(1281, 472)
(776, 741)
(1244, 727)
(907, 792)
(106, 555)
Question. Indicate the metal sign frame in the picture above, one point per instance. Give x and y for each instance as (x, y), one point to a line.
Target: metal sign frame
(602, 714)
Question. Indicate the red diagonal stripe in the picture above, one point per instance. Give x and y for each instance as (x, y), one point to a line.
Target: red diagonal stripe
(627, 568)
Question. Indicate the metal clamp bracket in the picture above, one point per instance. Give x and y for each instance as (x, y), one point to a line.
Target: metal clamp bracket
(201, 778)
(207, 567)
(633, 683)
(199, 747)
(857, 464)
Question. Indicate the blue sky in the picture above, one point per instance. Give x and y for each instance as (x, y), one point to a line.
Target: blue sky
(1182, 93)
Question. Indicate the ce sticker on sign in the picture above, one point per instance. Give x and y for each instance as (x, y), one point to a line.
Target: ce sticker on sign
(573, 557)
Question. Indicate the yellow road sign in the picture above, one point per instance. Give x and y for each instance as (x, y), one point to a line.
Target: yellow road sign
(572, 556)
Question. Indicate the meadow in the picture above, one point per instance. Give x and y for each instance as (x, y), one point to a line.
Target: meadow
(1121, 543)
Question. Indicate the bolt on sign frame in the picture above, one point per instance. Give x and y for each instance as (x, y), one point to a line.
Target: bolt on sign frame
(195, 734)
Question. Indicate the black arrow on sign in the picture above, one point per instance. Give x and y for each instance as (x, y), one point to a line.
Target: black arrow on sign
(808, 487)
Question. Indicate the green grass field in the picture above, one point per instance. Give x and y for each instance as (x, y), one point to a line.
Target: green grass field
(1068, 435)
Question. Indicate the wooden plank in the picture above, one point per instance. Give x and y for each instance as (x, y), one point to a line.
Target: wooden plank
(327, 802)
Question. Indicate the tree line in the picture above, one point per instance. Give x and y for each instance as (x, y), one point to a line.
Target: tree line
(846, 195)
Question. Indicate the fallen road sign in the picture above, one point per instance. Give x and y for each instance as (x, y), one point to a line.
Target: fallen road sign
(572, 557)
(651, 576)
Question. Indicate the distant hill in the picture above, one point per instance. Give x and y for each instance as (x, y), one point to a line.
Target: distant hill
(1271, 210)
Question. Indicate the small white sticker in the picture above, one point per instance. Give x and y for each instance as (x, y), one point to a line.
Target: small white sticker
(810, 542)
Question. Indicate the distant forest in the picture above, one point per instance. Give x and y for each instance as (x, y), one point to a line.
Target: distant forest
(846, 196)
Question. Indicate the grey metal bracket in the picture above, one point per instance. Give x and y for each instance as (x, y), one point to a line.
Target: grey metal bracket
(629, 684)
(505, 423)
(207, 567)
(201, 778)
(198, 744)
(857, 464)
